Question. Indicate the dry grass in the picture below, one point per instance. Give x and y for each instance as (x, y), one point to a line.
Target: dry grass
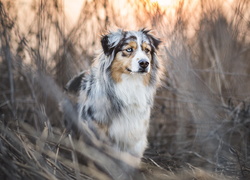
(201, 117)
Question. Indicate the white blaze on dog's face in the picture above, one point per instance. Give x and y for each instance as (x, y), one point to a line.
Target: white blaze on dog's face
(133, 51)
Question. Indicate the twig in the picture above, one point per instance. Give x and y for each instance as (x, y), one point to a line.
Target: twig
(75, 160)
(201, 157)
(8, 57)
(155, 163)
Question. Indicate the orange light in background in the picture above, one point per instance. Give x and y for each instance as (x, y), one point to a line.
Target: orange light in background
(165, 3)
(73, 9)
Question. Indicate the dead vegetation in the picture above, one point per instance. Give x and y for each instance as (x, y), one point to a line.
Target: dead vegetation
(201, 117)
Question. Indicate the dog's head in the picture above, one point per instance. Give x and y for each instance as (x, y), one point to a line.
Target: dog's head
(132, 52)
(126, 52)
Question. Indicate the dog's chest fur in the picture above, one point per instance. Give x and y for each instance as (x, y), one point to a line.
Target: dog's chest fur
(129, 129)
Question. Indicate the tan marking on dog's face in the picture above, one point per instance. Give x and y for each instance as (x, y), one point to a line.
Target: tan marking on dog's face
(147, 48)
(122, 61)
(119, 66)
(131, 44)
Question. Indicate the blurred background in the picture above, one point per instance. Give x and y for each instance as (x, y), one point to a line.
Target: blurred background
(201, 116)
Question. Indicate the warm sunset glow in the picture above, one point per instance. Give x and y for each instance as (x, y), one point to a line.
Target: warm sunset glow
(165, 3)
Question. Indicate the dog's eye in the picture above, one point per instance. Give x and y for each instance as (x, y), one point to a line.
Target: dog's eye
(147, 50)
(129, 50)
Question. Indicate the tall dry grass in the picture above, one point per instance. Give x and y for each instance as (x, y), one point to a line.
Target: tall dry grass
(201, 115)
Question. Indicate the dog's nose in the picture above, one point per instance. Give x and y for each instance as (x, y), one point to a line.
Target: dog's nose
(143, 63)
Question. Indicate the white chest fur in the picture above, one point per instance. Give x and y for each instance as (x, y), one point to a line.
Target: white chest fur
(129, 129)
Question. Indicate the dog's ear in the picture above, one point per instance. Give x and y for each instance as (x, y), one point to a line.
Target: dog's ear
(111, 40)
(155, 41)
(105, 44)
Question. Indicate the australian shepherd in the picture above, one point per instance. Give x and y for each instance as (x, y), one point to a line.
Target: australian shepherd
(117, 93)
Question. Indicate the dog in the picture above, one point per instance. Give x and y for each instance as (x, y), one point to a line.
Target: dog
(117, 93)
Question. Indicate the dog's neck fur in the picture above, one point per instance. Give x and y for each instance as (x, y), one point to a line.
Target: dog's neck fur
(132, 91)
